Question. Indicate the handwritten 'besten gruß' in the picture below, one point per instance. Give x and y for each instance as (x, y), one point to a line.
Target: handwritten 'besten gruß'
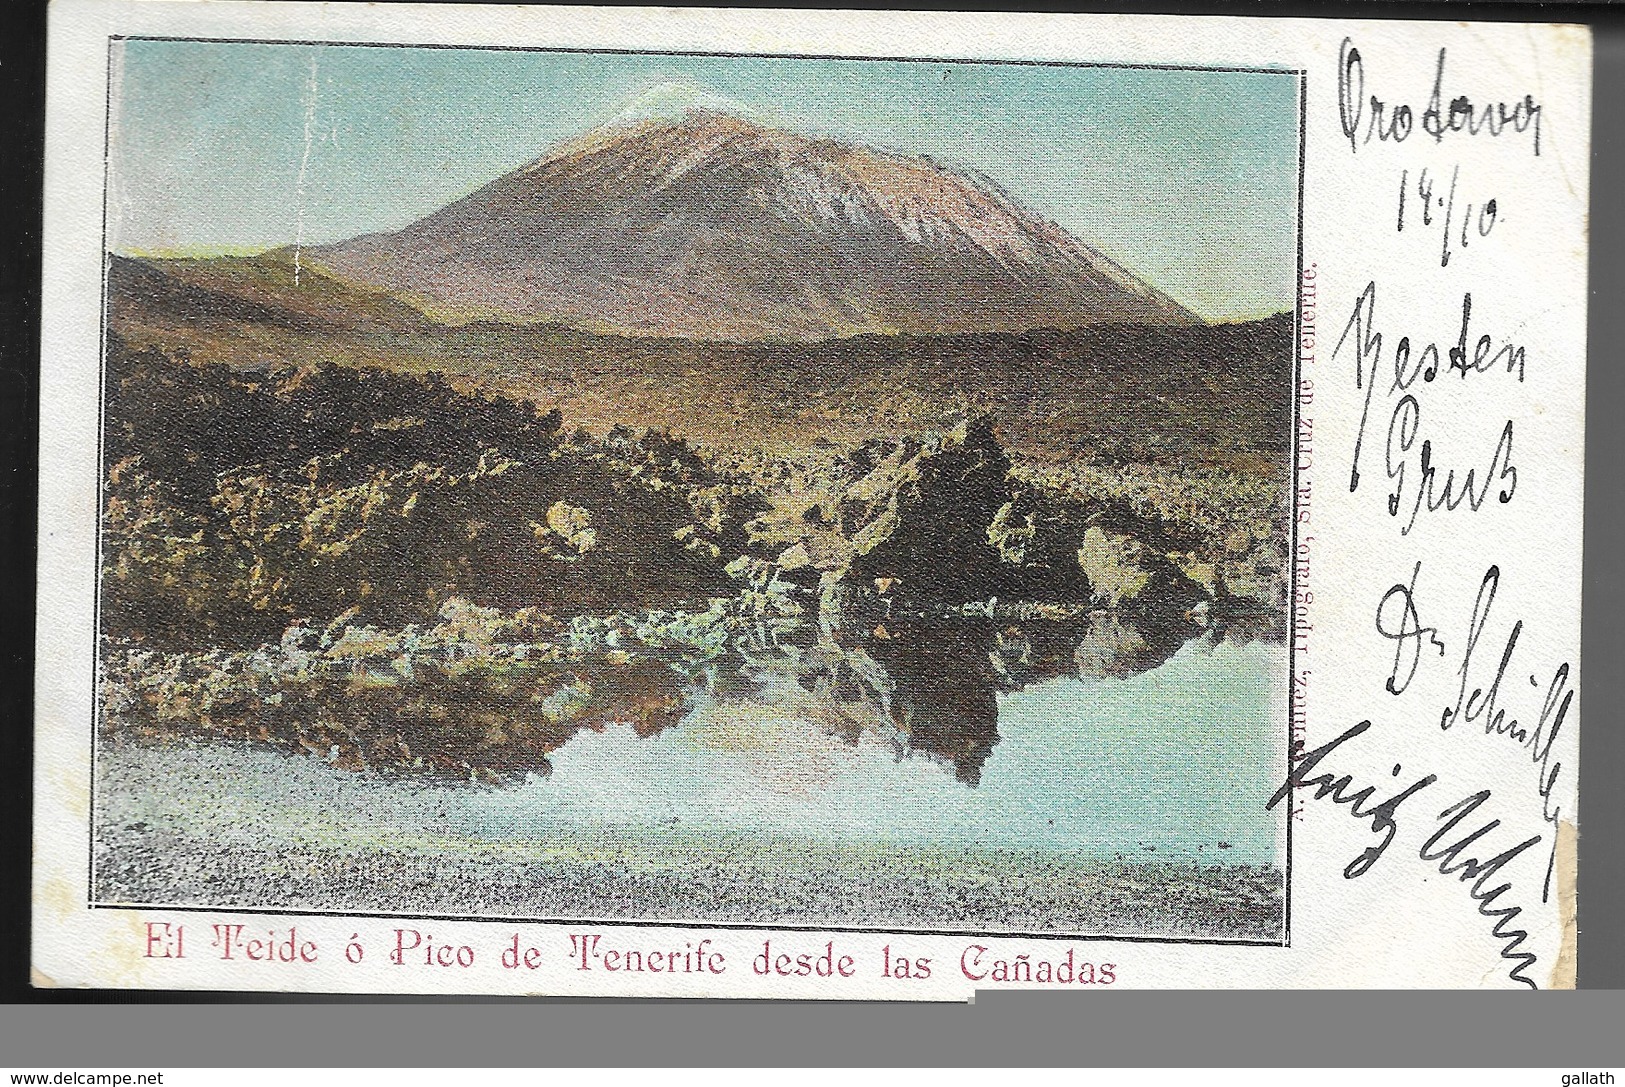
(1416, 484)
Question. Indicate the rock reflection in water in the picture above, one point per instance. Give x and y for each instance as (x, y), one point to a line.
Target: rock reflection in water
(930, 687)
(920, 687)
(946, 705)
(494, 724)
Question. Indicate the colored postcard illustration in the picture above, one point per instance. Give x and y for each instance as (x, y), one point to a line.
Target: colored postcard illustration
(622, 518)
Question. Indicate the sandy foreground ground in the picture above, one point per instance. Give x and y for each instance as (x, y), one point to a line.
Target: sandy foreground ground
(232, 827)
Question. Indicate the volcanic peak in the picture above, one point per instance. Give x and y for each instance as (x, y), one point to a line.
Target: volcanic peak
(708, 225)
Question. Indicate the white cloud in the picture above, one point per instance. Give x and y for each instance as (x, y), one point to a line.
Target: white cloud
(675, 97)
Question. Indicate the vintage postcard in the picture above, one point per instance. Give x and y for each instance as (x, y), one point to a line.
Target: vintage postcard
(807, 504)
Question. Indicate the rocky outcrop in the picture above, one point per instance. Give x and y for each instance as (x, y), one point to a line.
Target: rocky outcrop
(922, 515)
(1126, 572)
(941, 522)
(1112, 646)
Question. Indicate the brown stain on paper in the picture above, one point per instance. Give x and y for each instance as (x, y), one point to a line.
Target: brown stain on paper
(58, 896)
(71, 788)
(123, 957)
(1567, 866)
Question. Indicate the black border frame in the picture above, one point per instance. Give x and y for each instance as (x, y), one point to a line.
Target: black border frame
(1301, 77)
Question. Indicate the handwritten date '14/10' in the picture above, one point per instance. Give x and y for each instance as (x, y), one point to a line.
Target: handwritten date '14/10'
(1430, 202)
(1418, 485)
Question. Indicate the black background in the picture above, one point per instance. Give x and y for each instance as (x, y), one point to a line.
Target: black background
(47, 1028)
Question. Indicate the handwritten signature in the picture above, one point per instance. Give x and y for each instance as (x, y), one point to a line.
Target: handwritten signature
(1480, 703)
(1447, 847)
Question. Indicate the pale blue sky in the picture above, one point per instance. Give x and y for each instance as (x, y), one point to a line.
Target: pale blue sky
(1187, 178)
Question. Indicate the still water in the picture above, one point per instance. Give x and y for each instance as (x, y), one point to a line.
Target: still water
(979, 776)
(1177, 761)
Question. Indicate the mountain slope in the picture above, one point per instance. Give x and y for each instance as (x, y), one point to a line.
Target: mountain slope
(711, 227)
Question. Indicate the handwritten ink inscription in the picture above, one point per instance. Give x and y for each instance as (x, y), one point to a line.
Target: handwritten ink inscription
(1410, 460)
(1457, 452)
(1364, 119)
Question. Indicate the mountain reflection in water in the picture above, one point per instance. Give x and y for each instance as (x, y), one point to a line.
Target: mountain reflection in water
(931, 687)
(1097, 738)
(929, 772)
